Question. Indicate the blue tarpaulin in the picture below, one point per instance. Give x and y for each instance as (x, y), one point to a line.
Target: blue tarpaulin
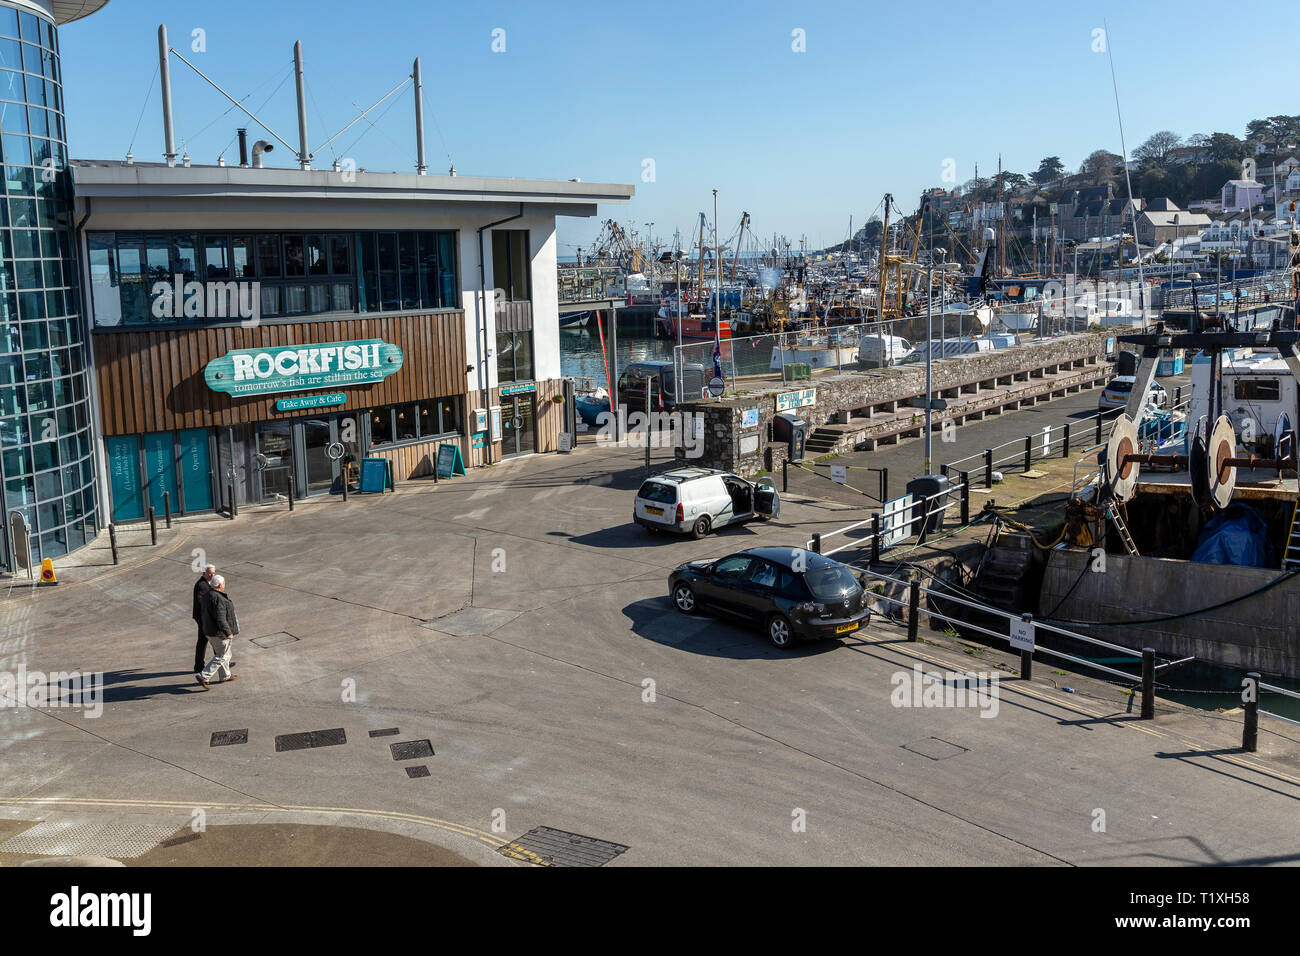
(1237, 535)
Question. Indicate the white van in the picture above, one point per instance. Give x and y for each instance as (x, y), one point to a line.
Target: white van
(875, 351)
(698, 500)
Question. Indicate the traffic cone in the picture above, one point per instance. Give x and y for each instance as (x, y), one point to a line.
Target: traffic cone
(47, 572)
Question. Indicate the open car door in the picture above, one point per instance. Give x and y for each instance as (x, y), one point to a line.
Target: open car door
(767, 502)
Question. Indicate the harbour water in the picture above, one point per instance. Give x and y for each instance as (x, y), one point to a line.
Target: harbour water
(581, 356)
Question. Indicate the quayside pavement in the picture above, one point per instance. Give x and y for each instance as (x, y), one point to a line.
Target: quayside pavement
(516, 621)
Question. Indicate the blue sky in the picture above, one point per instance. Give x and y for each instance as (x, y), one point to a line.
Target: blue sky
(714, 94)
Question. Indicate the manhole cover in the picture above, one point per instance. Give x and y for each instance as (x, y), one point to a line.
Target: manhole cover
(420, 771)
(274, 640)
(310, 739)
(71, 838)
(935, 749)
(471, 621)
(387, 732)
(224, 738)
(411, 749)
(547, 847)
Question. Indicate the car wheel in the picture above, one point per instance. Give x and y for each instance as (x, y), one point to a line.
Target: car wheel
(780, 632)
(684, 599)
(700, 528)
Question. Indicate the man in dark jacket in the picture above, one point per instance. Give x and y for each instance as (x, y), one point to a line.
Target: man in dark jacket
(219, 625)
(200, 591)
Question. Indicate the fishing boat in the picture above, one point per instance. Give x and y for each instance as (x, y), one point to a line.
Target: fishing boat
(591, 404)
(825, 350)
(695, 328)
(574, 320)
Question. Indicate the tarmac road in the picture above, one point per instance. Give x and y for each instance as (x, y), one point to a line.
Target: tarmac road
(516, 620)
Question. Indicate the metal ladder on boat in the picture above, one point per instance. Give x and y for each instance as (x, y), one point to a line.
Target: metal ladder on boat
(1291, 561)
(1117, 519)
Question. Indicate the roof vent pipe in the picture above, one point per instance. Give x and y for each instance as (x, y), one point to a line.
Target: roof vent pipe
(260, 147)
(243, 147)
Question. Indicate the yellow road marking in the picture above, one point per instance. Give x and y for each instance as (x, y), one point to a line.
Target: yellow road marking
(482, 836)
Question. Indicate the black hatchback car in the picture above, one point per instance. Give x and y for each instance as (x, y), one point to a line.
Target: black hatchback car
(792, 593)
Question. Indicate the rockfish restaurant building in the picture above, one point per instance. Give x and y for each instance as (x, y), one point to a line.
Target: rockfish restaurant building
(241, 320)
(176, 329)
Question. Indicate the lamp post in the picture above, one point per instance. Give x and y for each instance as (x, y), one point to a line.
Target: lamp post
(929, 347)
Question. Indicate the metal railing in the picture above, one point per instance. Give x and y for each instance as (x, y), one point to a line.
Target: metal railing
(904, 515)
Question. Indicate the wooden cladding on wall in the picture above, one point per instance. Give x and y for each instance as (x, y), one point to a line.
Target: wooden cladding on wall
(514, 316)
(152, 381)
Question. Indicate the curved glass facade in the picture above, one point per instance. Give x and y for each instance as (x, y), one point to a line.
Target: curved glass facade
(45, 438)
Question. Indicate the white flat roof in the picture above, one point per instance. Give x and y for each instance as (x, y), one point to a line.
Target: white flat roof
(114, 178)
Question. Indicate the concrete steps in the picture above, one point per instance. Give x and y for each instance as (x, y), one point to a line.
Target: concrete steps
(824, 439)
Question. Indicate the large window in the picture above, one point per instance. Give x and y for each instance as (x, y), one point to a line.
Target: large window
(299, 274)
(406, 271)
(45, 439)
(414, 421)
(514, 356)
(510, 263)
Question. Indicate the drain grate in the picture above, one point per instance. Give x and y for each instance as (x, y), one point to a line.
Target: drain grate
(310, 739)
(935, 748)
(118, 841)
(387, 732)
(547, 847)
(420, 771)
(411, 749)
(274, 640)
(224, 738)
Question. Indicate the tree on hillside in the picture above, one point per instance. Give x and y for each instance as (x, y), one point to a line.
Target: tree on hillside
(1013, 182)
(1100, 166)
(1225, 147)
(1274, 132)
(1049, 169)
(1155, 151)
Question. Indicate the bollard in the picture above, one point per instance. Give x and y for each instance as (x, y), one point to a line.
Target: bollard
(875, 537)
(1065, 442)
(112, 541)
(817, 542)
(167, 509)
(988, 467)
(1029, 451)
(345, 483)
(884, 485)
(1178, 395)
(153, 526)
(1148, 683)
(785, 477)
(234, 506)
(1250, 729)
(943, 470)
(965, 496)
(913, 608)
(1098, 441)
(291, 492)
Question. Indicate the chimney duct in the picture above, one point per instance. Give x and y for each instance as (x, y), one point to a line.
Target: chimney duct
(260, 147)
(243, 147)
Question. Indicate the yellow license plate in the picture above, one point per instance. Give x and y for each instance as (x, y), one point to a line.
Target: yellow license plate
(846, 627)
(653, 511)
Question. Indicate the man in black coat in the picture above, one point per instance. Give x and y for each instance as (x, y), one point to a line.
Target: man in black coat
(201, 587)
(220, 626)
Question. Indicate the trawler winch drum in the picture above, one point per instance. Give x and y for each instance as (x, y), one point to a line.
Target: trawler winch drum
(1221, 451)
(1121, 467)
